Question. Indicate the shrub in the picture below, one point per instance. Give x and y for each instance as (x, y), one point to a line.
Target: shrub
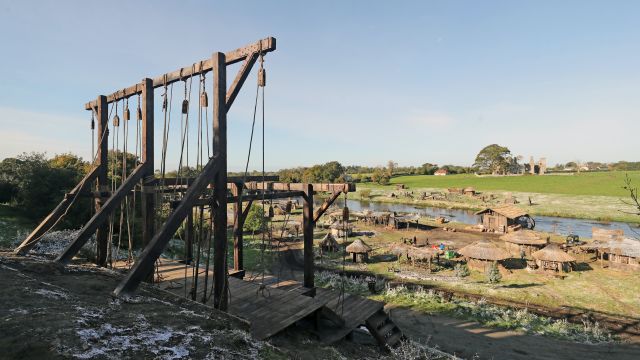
(365, 194)
(461, 270)
(493, 273)
(255, 219)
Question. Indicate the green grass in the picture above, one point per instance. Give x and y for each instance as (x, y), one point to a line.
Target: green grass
(600, 183)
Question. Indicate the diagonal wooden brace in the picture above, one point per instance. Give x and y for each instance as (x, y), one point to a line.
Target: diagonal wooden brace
(144, 265)
(102, 215)
(325, 205)
(56, 214)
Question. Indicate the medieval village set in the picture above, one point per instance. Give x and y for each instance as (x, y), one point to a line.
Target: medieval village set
(209, 209)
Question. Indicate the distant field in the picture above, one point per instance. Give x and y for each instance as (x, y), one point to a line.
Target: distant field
(601, 183)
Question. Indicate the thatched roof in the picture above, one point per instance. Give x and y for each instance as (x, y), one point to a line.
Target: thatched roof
(508, 211)
(484, 250)
(525, 237)
(422, 253)
(623, 246)
(358, 247)
(329, 241)
(605, 235)
(552, 252)
(400, 249)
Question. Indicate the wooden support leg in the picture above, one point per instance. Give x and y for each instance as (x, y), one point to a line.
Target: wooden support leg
(220, 300)
(148, 199)
(102, 234)
(100, 217)
(238, 263)
(307, 223)
(189, 239)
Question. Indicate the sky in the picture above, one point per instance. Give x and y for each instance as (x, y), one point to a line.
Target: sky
(360, 82)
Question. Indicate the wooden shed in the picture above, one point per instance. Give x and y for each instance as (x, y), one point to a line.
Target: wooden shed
(524, 242)
(341, 228)
(620, 253)
(469, 191)
(505, 218)
(359, 250)
(481, 254)
(552, 259)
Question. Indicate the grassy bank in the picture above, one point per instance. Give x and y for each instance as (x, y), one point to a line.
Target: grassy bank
(600, 205)
(593, 184)
(12, 225)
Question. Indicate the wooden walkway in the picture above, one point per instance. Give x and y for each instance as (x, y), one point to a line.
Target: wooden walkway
(271, 306)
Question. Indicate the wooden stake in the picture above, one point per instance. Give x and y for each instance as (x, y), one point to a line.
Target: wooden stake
(307, 223)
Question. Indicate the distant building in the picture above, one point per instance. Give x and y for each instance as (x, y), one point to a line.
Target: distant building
(441, 172)
(505, 218)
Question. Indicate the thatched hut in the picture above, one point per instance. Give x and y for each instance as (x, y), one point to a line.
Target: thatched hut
(505, 218)
(481, 254)
(620, 253)
(359, 250)
(329, 244)
(552, 259)
(524, 242)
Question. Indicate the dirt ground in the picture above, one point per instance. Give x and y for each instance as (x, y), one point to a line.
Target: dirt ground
(51, 312)
(470, 340)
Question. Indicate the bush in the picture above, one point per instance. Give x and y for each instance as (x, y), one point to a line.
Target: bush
(256, 220)
(461, 270)
(493, 273)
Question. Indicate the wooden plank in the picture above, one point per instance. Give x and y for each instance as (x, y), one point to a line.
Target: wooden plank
(232, 57)
(53, 217)
(220, 300)
(101, 216)
(235, 87)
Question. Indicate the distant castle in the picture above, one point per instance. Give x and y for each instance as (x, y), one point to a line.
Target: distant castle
(539, 168)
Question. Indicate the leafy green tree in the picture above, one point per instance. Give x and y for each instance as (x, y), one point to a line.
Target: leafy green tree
(428, 168)
(256, 220)
(493, 273)
(493, 159)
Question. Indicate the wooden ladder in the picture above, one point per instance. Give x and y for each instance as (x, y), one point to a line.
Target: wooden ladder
(384, 330)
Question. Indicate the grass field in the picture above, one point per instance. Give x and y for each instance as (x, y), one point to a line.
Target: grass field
(598, 184)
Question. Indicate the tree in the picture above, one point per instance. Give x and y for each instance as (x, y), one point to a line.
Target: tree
(494, 159)
(391, 166)
(255, 220)
(493, 273)
(380, 176)
(365, 194)
(428, 168)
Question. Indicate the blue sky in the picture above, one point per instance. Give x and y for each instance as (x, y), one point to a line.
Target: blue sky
(361, 82)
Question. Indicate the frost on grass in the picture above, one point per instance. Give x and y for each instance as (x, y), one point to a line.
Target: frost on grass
(52, 294)
(139, 338)
(411, 350)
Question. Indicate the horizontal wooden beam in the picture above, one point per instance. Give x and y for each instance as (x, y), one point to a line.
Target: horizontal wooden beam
(230, 180)
(248, 197)
(325, 205)
(319, 187)
(232, 57)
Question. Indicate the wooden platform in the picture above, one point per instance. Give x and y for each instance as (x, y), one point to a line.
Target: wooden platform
(270, 305)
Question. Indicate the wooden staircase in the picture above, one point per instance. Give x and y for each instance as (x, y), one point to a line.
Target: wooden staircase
(384, 330)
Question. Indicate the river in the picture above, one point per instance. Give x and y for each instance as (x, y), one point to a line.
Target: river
(552, 224)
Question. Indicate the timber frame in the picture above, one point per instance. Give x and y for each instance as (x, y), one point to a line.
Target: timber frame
(213, 175)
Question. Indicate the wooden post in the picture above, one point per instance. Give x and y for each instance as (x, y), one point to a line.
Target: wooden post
(219, 69)
(307, 224)
(148, 199)
(102, 185)
(238, 224)
(189, 240)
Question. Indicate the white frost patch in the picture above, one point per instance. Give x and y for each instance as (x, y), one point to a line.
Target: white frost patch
(52, 294)
(18, 311)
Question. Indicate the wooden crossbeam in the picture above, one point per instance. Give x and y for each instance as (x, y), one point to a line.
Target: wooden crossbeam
(189, 180)
(317, 187)
(232, 57)
(55, 215)
(101, 216)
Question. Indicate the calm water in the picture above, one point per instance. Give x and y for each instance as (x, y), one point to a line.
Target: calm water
(562, 226)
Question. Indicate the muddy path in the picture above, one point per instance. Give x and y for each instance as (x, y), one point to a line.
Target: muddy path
(467, 339)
